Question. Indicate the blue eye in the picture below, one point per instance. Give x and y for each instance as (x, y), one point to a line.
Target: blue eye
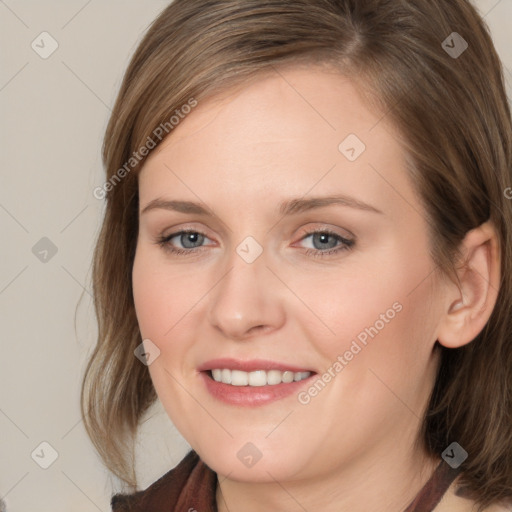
(188, 239)
(325, 242)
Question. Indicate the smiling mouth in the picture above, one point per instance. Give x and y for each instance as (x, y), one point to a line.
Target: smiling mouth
(257, 378)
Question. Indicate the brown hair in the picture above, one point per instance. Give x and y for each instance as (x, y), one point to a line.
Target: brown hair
(455, 120)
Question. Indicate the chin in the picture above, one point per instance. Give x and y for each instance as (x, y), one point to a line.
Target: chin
(253, 461)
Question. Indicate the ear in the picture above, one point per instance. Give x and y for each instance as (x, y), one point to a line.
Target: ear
(469, 306)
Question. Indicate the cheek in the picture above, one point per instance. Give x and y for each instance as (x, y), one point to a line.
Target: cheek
(380, 355)
(378, 313)
(163, 295)
(166, 299)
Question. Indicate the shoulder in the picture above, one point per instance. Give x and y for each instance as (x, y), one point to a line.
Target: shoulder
(191, 481)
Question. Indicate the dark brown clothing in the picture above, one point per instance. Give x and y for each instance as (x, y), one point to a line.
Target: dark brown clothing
(191, 487)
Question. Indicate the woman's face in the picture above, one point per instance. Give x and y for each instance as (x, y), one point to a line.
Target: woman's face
(286, 271)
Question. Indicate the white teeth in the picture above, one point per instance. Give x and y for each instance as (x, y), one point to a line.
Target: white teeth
(226, 376)
(239, 378)
(287, 377)
(274, 377)
(257, 378)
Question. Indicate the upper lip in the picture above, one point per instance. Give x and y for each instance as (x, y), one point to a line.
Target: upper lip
(249, 366)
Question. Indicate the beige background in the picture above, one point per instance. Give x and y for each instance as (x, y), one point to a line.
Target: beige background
(53, 115)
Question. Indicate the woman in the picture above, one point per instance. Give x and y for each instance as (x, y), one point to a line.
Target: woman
(306, 257)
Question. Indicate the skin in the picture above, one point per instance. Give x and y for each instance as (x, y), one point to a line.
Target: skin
(240, 154)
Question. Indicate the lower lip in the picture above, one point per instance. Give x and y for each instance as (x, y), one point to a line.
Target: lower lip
(251, 395)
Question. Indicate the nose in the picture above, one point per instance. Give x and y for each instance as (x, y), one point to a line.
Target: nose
(247, 301)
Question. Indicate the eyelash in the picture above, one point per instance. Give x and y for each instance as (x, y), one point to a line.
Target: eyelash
(345, 245)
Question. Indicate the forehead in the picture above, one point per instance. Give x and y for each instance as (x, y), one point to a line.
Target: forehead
(286, 133)
(302, 102)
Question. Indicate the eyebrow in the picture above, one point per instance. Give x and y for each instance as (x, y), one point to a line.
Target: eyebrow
(288, 207)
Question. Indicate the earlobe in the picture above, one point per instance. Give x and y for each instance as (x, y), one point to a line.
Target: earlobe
(469, 306)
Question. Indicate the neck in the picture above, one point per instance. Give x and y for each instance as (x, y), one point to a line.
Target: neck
(358, 488)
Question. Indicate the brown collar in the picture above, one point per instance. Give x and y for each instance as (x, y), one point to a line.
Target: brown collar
(431, 493)
(190, 486)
